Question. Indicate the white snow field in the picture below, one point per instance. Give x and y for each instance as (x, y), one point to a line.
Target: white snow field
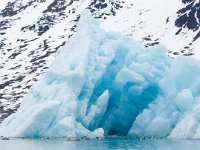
(105, 83)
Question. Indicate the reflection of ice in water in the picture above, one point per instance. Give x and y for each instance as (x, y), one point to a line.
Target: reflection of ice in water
(63, 144)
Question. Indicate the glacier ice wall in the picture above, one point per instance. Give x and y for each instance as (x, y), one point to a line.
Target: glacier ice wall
(175, 112)
(108, 84)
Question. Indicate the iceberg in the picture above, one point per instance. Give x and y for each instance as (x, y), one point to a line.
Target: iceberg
(105, 83)
(175, 111)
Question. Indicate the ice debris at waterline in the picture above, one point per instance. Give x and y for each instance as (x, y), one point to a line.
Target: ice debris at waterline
(107, 84)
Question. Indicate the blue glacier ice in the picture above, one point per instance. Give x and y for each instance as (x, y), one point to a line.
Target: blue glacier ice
(175, 111)
(105, 83)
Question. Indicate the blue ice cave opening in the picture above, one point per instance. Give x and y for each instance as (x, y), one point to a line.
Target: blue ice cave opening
(124, 104)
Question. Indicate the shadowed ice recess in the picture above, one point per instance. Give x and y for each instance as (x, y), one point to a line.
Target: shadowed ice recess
(108, 84)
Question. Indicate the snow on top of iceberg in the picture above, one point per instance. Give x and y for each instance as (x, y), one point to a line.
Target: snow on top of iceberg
(108, 84)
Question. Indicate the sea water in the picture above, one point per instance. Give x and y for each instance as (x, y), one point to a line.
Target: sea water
(96, 144)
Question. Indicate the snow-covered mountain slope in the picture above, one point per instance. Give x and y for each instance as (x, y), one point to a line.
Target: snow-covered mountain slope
(31, 31)
(171, 23)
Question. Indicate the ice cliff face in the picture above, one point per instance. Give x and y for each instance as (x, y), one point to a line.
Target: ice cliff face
(107, 84)
(175, 111)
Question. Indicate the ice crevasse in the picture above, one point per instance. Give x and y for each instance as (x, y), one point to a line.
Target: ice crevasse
(105, 83)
